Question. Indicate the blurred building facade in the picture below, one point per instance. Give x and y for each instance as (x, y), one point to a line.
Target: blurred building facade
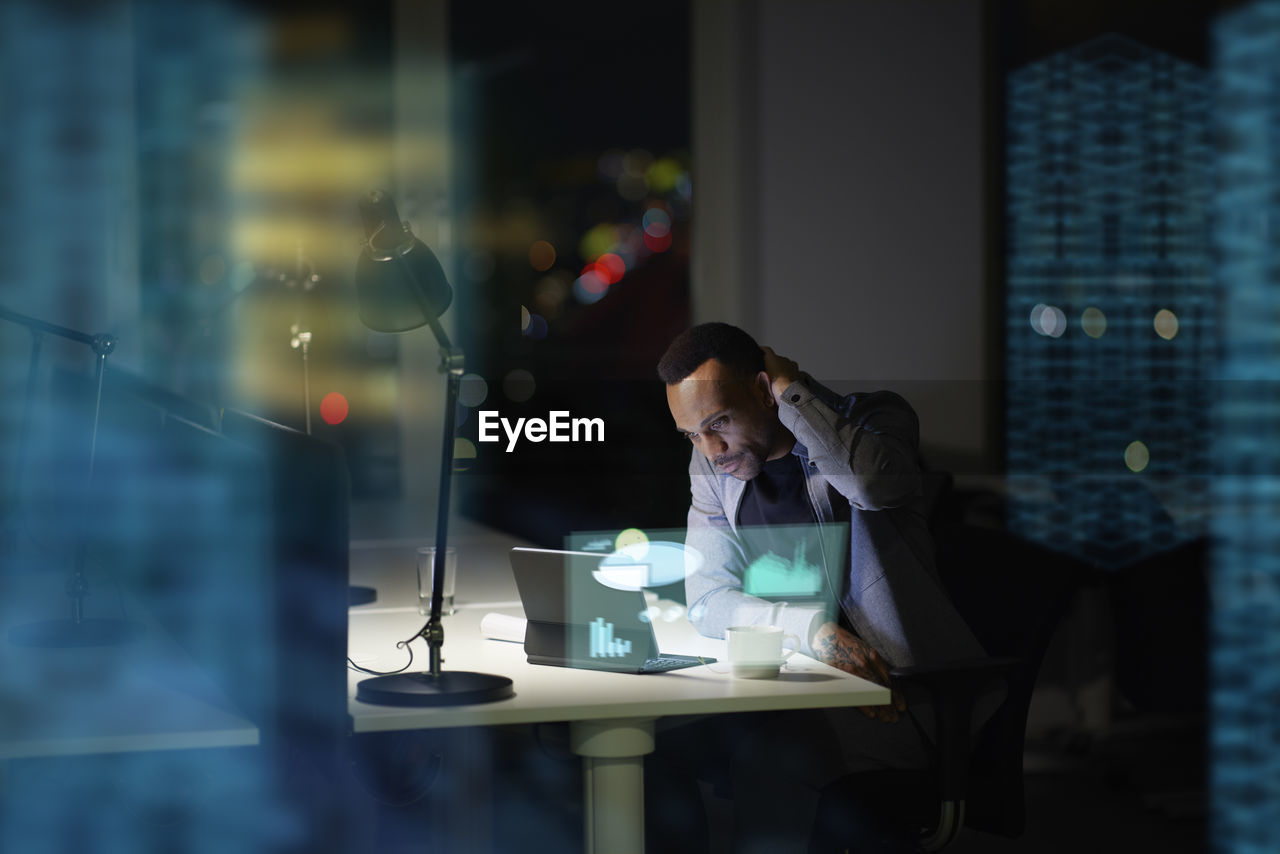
(1246, 488)
(1110, 306)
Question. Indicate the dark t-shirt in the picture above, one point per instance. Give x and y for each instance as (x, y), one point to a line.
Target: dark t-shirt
(785, 552)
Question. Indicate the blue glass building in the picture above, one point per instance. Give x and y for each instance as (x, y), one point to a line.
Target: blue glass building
(65, 160)
(1245, 660)
(103, 140)
(1110, 307)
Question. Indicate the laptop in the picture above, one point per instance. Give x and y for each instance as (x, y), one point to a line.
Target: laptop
(575, 621)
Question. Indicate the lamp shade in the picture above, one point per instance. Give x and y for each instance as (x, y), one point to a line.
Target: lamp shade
(399, 281)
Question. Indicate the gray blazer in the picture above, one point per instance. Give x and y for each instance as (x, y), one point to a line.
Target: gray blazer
(862, 449)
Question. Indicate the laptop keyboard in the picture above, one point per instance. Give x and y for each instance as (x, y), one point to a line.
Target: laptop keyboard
(663, 663)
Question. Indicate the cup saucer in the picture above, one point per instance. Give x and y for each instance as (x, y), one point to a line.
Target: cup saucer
(756, 671)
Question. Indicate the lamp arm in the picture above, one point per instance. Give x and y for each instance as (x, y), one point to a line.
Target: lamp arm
(452, 364)
(433, 632)
(100, 344)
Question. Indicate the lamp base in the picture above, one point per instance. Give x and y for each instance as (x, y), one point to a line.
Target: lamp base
(69, 633)
(450, 688)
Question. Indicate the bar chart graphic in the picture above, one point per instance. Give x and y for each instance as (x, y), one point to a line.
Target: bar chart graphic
(604, 644)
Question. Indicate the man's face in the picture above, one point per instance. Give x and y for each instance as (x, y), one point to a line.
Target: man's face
(732, 422)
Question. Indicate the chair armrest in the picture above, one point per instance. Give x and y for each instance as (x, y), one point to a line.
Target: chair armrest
(954, 688)
(954, 673)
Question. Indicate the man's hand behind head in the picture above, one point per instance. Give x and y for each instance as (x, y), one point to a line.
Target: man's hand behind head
(781, 370)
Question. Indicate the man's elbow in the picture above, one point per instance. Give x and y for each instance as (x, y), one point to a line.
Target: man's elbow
(703, 614)
(885, 475)
(885, 492)
(705, 626)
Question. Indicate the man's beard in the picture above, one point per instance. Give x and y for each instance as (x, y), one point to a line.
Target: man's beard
(744, 465)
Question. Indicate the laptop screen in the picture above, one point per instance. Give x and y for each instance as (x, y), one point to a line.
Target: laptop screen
(574, 617)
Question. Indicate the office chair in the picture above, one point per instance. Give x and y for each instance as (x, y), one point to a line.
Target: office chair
(1161, 606)
(1012, 593)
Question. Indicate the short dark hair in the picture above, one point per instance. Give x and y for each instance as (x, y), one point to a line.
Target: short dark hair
(727, 344)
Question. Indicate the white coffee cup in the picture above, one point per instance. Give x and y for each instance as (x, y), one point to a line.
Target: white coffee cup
(755, 652)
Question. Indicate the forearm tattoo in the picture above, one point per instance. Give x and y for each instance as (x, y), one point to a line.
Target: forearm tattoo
(845, 657)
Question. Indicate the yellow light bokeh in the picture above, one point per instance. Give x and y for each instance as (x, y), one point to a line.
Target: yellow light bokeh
(663, 174)
(298, 162)
(632, 537)
(597, 241)
(1136, 456)
(312, 166)
(542, 255)
(464, 454)
(1166, 324)
(1094, 322)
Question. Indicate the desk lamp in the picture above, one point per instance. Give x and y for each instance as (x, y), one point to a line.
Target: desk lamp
(401, 286)
(76, 630)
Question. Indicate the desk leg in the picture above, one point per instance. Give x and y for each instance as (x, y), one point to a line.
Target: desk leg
(613, 754)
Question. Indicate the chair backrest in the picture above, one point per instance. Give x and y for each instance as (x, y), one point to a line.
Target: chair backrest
(1161, 607)
(1012, 593)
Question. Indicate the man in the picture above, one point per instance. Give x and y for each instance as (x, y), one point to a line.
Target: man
(771, 449)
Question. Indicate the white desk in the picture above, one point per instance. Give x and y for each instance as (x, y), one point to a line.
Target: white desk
(611, 715)
(144, 695)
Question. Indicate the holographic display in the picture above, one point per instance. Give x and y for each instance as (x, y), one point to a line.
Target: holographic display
(771, 575)
(604, 644)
